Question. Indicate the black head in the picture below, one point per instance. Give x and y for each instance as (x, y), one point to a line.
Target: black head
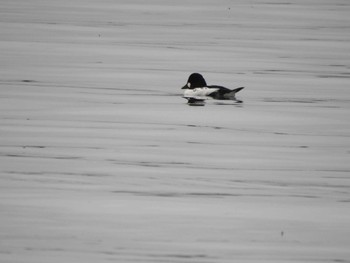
(195, 80)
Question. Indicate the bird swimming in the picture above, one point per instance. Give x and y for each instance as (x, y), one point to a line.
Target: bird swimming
(196, 89)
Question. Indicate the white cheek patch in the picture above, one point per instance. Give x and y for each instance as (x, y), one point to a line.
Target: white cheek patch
(189, 85)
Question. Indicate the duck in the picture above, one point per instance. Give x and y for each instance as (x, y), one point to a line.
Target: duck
(196, 89)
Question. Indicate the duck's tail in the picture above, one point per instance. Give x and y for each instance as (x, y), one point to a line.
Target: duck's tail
(236, 90)
(231, 95)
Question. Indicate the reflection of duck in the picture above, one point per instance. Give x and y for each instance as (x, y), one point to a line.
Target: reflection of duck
(197, 88)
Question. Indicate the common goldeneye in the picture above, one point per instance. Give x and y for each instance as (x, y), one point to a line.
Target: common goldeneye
(197, 89)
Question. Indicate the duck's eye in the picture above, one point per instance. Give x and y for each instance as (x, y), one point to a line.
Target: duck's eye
(189, 85)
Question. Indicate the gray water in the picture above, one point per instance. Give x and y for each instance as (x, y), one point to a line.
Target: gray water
(101, 159)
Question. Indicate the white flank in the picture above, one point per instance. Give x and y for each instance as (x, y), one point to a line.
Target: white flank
(199, 92)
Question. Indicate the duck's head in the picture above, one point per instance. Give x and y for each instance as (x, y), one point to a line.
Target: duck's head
(195, 80)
